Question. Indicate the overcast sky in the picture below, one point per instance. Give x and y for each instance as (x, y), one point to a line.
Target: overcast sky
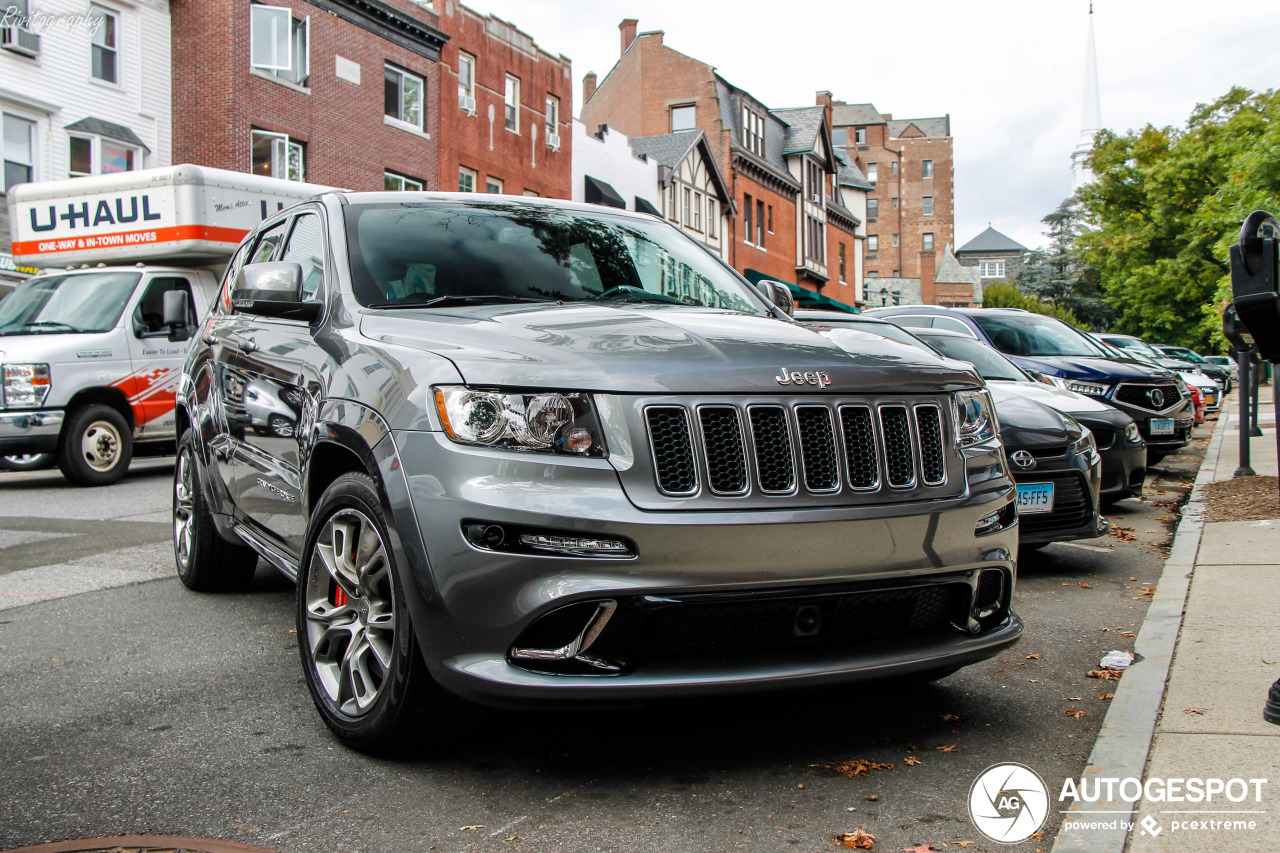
(1010, 74)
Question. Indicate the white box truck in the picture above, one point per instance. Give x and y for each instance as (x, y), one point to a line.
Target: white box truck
(89, 364)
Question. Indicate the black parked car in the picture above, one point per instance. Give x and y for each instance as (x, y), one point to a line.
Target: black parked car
(1050, 350)
(1213, 369)
(1052, 457)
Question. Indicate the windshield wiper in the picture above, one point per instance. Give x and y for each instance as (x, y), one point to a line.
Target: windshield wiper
(459, 300)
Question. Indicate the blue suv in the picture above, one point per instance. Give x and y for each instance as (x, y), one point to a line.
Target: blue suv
(1054, 352)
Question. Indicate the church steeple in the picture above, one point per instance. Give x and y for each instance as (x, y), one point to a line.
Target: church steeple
(1091, 118)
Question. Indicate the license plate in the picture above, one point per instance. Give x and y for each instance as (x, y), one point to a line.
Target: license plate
(1161, 426)
(1035, 497)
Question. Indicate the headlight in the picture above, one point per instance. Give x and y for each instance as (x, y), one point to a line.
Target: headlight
(1085, 445)
(975, 418)
(1132, 434)
(1093, 389)
(25, 385)
(1040, 377)
(556, 422)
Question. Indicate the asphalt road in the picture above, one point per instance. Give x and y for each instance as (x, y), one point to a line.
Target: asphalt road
(132, 706)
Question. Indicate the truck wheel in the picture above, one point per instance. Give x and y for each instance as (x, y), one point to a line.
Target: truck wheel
(206, 561)
(359, 653)
(26, 462)
(97, 446)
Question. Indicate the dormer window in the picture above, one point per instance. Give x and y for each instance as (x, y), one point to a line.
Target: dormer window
(752, 131)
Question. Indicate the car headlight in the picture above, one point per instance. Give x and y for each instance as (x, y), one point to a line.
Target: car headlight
(1085, 445)
(1132, 433)
(1092, 389)
(25, 385)
(975, 418)
(1041, 377)
(550, 421)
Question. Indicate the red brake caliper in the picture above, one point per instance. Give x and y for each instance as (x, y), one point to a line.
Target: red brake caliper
(339, 597)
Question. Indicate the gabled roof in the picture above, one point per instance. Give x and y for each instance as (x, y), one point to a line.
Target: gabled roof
(850, 174)
(804, 124)
(951, 271)
(939, 126)
(992, 240)
(670, 150)
(846, 114)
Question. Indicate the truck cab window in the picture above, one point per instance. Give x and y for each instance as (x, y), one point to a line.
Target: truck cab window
(148, 317)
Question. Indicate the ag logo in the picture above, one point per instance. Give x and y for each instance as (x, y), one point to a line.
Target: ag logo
(1008, 802)
(1023, 459)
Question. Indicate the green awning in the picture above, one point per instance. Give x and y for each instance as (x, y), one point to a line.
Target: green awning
(804, 298)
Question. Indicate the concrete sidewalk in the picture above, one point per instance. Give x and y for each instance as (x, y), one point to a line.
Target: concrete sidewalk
(1214, 629)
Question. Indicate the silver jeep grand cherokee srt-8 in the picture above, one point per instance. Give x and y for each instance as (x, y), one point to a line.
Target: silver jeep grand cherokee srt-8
(527, 451)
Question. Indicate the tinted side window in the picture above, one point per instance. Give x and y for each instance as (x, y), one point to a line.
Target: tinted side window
(952, 324)
(918, 321)
(148, 317)
(306, 249)
(223, 305)
(267, 243)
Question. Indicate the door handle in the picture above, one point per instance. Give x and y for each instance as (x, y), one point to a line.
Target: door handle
(249, 345)
(209, 340)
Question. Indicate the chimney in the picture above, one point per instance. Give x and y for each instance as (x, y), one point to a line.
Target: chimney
(823, 100)
(588, 86)
(628, 30)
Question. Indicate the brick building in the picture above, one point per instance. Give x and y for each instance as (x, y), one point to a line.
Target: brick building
(336, 92)
(506, 109)
(911, 211)
(791, 222)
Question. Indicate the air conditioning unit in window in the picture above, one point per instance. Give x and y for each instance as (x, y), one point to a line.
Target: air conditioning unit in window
(467, 103)
(20, 40)
(553, 141)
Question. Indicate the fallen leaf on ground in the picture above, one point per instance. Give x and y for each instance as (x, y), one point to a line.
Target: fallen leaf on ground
(1033, 657)
(911, 761)
(963, 844)
(1199, 711)
(857, 838)
(950, 718)
(1106, 695)
(1085, 585)
(1128, 634)
(1032, 681)
(1133, 579)
(1146, 590)
(1104, 674)
(951, 748)
(856, 767)
(1076, 714)
(471, 828)
(873, 798)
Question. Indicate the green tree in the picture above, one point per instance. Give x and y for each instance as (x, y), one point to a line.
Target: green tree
(1000, 294)
(1059, 276)
(1165, 205)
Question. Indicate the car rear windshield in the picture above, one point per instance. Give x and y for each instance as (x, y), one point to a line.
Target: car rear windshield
(989, 363)
(65, 304)
(1034, 335)
(405, 255)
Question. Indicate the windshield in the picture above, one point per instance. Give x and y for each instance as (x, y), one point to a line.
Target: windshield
(1034, 335)
(88, 302)
(1185, 355)
(989, 363)
(411, 254)
(1134, 345)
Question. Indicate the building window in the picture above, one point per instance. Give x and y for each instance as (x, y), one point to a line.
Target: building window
(926, 205)
(894, 167)
(106, 33)
(840, 251)
(873, 208)
(991, 269)
(511, 98)
(876, 274)
(673, 210)
(873, 243)
(713, 214)
(697, 211)
(895, 273)
(493, 185)
(927, 243)
(467, 82)
(860, 136)
(403, 97)
(813, 172)
(895, 239)
(840, 137)
(872, 169)
(531, 193)
(684, 118)
(399, 183)
(770, 219)
(93, 155)
(747, 210)
(926, 168)
(275, 155)
(753, 131)
(760, 223)
(553, 115)
(817, 239)
(688, 206)
(19, 150)
(466, 180)
(895, 202)
(279, 43)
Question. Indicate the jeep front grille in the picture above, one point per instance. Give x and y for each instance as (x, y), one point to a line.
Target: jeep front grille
(728, 449)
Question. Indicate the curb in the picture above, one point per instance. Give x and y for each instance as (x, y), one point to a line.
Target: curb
(1129, 727)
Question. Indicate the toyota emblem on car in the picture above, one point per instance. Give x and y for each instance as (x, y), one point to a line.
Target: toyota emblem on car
(1023, 459)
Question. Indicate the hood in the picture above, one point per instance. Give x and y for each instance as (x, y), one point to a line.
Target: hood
(659, 350)
(62, 348)
(1091, 369)
(1027, 424)
(1070, 402)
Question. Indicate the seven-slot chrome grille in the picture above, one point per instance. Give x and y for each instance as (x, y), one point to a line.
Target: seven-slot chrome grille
(720, 449)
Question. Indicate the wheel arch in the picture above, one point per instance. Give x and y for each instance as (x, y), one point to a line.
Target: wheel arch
(106, 396)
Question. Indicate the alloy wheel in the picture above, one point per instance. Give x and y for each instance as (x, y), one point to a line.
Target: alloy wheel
(184, 509)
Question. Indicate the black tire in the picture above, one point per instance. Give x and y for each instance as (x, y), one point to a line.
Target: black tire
(392, 714)
(206, 562)
(97, 446)
(27, 462)
(1032, 547)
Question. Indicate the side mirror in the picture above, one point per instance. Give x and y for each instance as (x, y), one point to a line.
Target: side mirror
(778, 294)
(272, 290)
(1255, 271)
(176, 305)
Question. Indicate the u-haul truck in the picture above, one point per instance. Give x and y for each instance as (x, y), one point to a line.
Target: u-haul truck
(89, 366)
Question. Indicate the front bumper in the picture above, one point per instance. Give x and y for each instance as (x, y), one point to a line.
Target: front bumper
(29, 431)
(1077, 486)
(470, 604)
